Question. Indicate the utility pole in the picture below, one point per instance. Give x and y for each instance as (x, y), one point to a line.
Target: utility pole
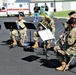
(54, 6)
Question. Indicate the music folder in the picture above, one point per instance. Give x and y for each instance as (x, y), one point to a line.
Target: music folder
(46, 35)
(40, 24)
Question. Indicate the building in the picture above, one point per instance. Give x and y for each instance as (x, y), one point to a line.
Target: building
(1, 3)
(59, 5)
(14, 7)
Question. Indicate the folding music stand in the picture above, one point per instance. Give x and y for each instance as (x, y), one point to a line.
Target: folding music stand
(30, 25)
(0, 27)
(45, 36)
(10, 25)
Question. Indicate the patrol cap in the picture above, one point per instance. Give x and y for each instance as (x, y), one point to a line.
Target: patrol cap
(71, 13)
(48, 15)
(21, 14)
(72, 21)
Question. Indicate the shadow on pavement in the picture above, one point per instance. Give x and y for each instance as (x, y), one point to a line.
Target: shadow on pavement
(30, 58)
(53, 63)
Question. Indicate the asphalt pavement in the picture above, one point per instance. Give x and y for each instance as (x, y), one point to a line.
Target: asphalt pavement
(22, 61)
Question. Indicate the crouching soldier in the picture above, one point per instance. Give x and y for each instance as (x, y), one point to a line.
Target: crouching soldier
(21, 32)
(48, 22)
(69, 46)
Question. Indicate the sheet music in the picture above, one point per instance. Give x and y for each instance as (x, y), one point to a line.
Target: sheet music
(46, 34)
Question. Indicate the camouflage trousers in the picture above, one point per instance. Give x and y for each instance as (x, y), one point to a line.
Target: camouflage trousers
(69, 51)
(21, 33)
(36, 35)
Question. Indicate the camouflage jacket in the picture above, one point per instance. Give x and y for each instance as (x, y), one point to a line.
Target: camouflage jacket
(21, 23)
(71, 39)
(50, 24)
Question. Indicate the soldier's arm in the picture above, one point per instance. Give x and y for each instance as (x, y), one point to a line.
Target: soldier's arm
(52, 23)
(52, 26)
(44, 22)
(72, 37)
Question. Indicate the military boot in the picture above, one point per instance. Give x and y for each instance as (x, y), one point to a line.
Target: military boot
(35, 45)
(48, 45)
(20, 42)
(14, 42)
(62, 67)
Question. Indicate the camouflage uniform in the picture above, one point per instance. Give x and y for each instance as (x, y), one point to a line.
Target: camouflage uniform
(48, 22)
(49, 25)
(21, 32)
(69, 46)
(71, 40)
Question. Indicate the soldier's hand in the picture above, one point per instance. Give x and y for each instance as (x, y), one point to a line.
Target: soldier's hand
(40, 27)
(16, 21)
(61, 35)
(64, 25)
(61, 52)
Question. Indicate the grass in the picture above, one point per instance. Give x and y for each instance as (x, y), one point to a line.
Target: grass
(62, 13)
(57, 14)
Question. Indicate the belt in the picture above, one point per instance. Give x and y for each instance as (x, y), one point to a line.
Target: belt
(22, 28)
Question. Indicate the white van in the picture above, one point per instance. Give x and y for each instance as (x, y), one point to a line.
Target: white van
(3, 11)
(15, 8)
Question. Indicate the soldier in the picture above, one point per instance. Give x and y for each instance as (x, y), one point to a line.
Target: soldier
(69, 47)
(71, 14)
(21, 32)
(48, 22)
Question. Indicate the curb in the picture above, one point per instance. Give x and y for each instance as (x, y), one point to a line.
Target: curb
(61, 17)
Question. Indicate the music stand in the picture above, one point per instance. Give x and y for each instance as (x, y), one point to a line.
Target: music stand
(45, 36)
(10, 25)
(0, 27)
(30, 25)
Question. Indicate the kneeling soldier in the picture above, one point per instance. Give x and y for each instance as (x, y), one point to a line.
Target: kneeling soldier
(69, 46)
(21, 32)
(48, 22)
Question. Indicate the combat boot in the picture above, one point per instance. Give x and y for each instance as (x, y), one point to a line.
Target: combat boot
(14, 42)
(20, 42)
(62, 67)
(48, 45)
(35, 45)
